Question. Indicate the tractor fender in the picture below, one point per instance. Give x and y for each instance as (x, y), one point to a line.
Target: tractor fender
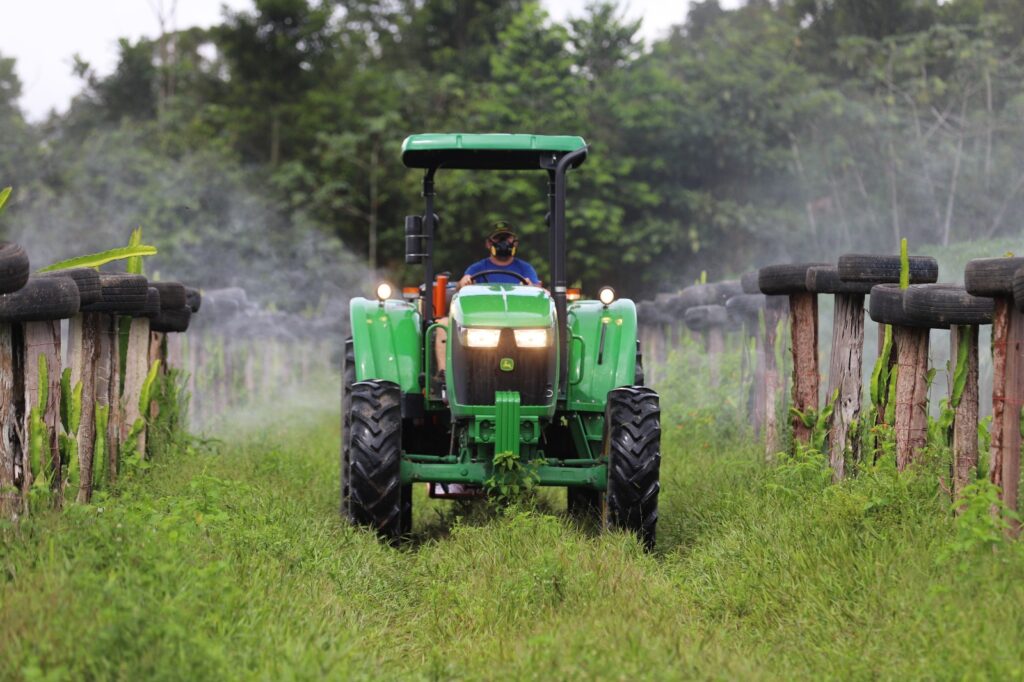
(387, 342)
(596, 367)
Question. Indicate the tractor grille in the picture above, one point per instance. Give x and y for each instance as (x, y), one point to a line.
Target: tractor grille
(477, 372)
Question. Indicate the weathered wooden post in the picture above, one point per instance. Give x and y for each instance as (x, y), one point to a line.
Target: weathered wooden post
(14, 271)
(136, 369)
(846, 363)
(942, 306)
(40, 306)
(791, 280)
(995, 278)
(747, 310)
(711, 320)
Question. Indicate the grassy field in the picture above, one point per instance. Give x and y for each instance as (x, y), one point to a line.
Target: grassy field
(228, 561)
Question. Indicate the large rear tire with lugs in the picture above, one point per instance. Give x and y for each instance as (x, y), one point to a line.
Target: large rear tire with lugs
(348, 377)
(632, 447)
(375, 458)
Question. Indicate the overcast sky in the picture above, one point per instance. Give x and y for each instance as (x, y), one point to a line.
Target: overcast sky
(43, 35)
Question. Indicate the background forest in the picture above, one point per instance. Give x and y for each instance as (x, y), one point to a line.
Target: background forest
(264, 151)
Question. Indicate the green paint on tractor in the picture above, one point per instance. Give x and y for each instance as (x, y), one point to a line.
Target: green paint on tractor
(531, 377)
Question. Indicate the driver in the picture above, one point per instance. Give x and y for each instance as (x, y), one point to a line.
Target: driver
(501, 244)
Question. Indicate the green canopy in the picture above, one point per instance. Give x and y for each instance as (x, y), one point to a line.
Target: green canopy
(497, 151)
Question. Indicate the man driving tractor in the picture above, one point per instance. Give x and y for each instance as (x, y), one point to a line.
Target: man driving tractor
(501, 246)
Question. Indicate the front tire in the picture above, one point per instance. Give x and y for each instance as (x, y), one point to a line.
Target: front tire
(633, 452)
(375, 491)
(348, 378)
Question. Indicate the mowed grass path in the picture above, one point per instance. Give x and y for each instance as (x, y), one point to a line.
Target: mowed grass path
(231, 563)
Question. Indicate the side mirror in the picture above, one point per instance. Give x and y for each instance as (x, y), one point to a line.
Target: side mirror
(414, 240)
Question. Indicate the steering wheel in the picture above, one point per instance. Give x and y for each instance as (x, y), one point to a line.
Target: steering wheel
(483, 273)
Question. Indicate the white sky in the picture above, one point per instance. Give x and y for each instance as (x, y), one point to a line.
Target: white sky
(44, 34)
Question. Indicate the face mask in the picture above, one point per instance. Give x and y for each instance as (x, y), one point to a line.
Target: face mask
(503, 250)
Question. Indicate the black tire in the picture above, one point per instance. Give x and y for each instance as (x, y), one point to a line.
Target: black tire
(152, 309)
(696, 295)
(882, 269)
(746, 306)
(171, 321)
(991, 276)
(824, 279)
(632, 448)
(1018, 289)
(727, 289)
(942, 305)
(172, 295)
(644, 316)
(40, 300)
(14, 267)
(886, 307)
(785, 278)
(375, 458)
(88, 281)
(193, 299)
(348, 378)
(122, 294)
(748, 282)
(704, 317)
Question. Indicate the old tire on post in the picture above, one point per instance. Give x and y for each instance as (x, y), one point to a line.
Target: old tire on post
(375, 458)
(704, 317)
(152, 309)
(122, 295)
(746, 306)
(632, 448)
(748, 282)
(14, 267)
(884, 269)
(785, 278)
(943, 305)
(824, 279)
(171, 321)
(41, 299)
(193, 299)
(172, 295)
(885, 306)
(991, 276)
(88, 281)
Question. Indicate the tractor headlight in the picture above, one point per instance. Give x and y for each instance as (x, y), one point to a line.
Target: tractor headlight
(531, 338)
(606, 295)
(476, 337)
(384, 291)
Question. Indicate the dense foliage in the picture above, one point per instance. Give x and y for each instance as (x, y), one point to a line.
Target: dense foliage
(268, 145)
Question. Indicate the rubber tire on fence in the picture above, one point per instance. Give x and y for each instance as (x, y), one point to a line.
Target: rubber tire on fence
(193, 299)
(348, 378)
(991, 276)
(748, 282)
(885, 306)
(697, 295)
(171, 321)
(824, 279)
(726, 289)
(785, 278)
(704, 317)
(122, 294)
(1018, 289)
(40, 300)
(943, 305)
(632, 447)
(746, 306)
(884, 269)
(152, 309)
(88, 281)
(172, 295)
(14, 267)
(375, 458)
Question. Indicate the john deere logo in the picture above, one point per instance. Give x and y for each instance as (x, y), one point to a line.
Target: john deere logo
(507, 364)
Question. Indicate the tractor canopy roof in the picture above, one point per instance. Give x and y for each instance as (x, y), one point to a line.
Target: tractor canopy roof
(494, 151)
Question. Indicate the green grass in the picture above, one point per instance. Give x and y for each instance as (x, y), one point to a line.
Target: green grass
(229, 562)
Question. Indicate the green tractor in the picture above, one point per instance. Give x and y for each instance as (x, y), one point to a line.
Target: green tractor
(538, 390)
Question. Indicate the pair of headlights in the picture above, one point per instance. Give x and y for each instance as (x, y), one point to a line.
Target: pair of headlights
(606, 295)
(483, 337)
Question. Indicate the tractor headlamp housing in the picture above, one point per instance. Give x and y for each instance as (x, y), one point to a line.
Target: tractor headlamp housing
(606, 295)
(384, 291)
(479, 337)
(531, 338)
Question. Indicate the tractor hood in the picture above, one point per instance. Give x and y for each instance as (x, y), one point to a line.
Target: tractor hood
(503, 305)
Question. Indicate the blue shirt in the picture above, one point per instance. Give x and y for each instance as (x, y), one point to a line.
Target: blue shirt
(517, 266)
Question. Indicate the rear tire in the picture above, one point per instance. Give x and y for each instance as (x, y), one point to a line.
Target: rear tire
(375, 458)
(348, 377)
(633, 451)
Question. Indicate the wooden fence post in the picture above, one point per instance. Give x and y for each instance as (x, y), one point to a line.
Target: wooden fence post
(965, 421)
(42, 340)
(10, 428)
